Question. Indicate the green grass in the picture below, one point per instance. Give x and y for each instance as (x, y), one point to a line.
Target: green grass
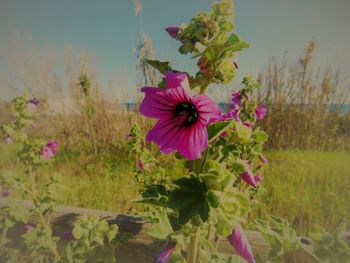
(308, 187)
(305, 187)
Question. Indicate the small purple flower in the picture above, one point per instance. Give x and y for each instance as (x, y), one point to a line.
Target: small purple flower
(49, 150)
(165, 253)
(248, 178)
(173, 31)
(7, 192)
(8, 139)
(33, 125)
(34, 101)
(239, 242)
(236, 100)
(260, 112)
(29, 227)
(263, 159)
(236, 64)
(67, 236)
(140, 165)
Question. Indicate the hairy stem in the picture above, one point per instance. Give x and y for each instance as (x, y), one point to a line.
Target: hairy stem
(193, 247)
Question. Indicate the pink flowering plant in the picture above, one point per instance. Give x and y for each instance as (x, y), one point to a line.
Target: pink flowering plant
(221, 151)
(88, 235)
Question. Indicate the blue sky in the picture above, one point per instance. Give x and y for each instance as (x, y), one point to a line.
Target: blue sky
(109, 29)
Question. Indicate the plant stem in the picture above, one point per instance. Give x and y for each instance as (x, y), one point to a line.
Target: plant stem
(193, 247)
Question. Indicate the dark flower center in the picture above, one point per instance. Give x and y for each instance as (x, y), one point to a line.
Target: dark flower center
(188, 113)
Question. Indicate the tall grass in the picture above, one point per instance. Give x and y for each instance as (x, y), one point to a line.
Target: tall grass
(304, 105)
(307, 187)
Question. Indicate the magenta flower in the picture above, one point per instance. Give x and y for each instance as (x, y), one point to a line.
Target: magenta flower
(165, 253)
(140, 165)
(263, 159)
(258, 178)
(182, 120)
(8, 139)
(248, 178)
(260, 112)
(248, 124)
(33, 125)
(239, 242)
(236, 100)
(49, 150)
(173, 31)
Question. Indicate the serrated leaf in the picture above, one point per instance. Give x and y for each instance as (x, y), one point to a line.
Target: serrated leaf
(161, 66)
(190, 199)
(162, 228)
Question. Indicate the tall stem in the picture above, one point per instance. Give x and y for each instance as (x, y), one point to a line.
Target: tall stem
(193, 247)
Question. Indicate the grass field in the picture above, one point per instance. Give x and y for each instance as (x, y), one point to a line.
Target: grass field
(305, 187)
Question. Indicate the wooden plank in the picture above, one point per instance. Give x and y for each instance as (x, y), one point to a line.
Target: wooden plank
(142, 249)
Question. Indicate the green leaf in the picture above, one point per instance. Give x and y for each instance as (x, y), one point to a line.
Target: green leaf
(214, 198)
(237, 47)
(217, 128)
(112, 232)
(233, 39)
(244, 132)
(78, 232)
(190, 199)
(162, 228)
(224, 225)
(161, 66)
(260, 136)
(154, 195)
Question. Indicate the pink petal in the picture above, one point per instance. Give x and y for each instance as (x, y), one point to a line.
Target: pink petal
(239, 242)
(248, 178)
(176, 79)
(207, 108)
(178, 95)
(156, 103)
(166, 134)
(193, 141)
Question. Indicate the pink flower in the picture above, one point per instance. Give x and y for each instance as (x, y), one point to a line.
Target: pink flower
(248, 178)
(8, 139)
(173, 31)
(182, 119)
(236, 99)
(29, 227)
(165, 253)
(33, 125)
(248, 124)
(263, 159)
(258, 178)
(239, 242)
(49, 150)
(140, 165)
(260, 112)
